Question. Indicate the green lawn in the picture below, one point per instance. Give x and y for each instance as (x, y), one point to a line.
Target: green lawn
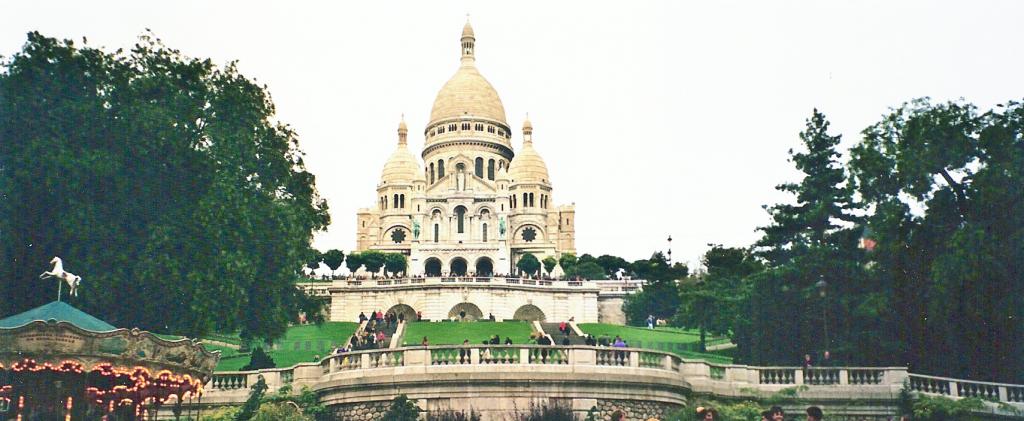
(300, 344)
(678, 341)
(453, 333)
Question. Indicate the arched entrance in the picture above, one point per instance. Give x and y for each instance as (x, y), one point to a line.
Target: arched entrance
(407, 312)
(472, 312)
(458, 266)
(432, 267)
(529, 313)
(484, 266)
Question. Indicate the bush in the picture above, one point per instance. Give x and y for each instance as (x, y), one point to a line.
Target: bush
(451, 415)
(259, 360)
(402, 409)
(547, 413)
(280, 412)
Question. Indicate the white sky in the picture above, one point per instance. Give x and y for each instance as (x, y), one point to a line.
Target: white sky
(655, 118)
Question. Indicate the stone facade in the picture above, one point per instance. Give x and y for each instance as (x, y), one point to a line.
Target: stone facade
(437, 299)
(473, 206)
(362, 411)
(638, 410)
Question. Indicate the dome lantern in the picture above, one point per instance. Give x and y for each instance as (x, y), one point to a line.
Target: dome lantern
(468, 41)
(403, 131)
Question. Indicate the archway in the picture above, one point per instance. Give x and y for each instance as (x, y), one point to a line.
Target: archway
(484, 266)
(472, 312)
(404, 310)
(432, 267)
(529, 313)
(458, 266)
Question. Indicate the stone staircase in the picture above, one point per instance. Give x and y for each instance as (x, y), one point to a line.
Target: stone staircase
(557, 336)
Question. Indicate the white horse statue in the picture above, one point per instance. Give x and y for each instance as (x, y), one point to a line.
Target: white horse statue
(59, 273)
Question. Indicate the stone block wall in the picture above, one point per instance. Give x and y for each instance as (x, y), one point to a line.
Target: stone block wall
(634, 410)
(362, 411)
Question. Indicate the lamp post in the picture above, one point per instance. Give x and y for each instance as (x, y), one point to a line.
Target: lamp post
(670, 250)
(821, 285)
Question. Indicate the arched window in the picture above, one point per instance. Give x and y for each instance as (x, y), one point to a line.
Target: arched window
(501, 164)
(490, 169)
(395, 205)
(460, 213)
(526, 200)
(437, 230)
(401, 201)
(440, 169)
(531, 200)
(485, 232)
(431, 173)
(440, 130)
(478, 168)
(465, 126)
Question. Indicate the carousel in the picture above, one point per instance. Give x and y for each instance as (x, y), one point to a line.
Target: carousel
(59, 363)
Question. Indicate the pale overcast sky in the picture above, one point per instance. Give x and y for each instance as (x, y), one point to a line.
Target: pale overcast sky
(654, 118)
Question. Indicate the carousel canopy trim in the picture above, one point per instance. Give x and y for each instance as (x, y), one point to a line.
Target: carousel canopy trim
(61, 312)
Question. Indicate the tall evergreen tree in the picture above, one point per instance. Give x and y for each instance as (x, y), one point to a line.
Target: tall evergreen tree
(811, 256)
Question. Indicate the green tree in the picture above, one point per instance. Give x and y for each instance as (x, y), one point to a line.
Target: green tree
(333, 258)
(549, 264)
(712, 302)
(528, 264)
(259, 360)
(568, 263)
(252, 405)
(395, 263)
(158, 178)
(590, 270)
(402, 409)
(373, 259)
(660, 294)
(612, 264)
(354, 261)
(809, 245)
(950, 269)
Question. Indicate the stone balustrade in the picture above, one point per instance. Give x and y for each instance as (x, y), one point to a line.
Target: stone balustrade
(345, 284)
(587, 376)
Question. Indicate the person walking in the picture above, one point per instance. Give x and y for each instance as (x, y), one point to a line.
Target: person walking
(650, 321)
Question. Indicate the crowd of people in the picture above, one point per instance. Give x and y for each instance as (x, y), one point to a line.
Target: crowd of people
(775, 413)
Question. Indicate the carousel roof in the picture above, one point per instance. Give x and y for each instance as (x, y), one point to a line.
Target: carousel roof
(58, 311)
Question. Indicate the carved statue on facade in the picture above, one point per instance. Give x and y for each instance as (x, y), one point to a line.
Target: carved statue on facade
(501, 226)
(415, 229)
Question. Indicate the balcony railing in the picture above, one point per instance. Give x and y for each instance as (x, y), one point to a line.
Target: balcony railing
(741, 380)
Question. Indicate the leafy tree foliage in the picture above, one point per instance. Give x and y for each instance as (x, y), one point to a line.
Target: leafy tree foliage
(713, 302)
(402, 409)
(549, 264)
(528, 264)
(354, 261)
(333, 258)
(612, 264)
(252, 404)
(951, 270)
(590, 270)
(373, 259)
(259, 360)
(163, 180)
(660, 296)
(567, 261)
(395, 263)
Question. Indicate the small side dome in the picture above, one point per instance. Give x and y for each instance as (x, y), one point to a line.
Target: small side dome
(528, 166)
(402, 167)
